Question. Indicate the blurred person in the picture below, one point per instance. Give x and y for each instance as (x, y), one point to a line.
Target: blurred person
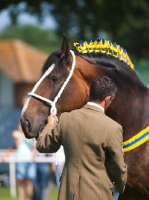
(51, 178)
(40, 182)
(25, 171)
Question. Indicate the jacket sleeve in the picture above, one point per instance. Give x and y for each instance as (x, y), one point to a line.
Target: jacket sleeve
(116, 165)
(49, 139)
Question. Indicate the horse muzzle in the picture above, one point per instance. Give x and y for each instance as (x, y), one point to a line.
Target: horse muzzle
(29, 130)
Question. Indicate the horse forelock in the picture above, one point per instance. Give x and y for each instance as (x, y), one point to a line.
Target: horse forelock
(55, 58)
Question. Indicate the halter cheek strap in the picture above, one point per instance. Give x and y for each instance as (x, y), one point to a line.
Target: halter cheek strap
(53, 103)
(32, 93)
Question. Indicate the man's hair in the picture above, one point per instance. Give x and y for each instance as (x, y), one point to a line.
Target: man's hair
(101, 87)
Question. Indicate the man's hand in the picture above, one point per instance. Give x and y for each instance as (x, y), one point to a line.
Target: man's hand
(51, 119)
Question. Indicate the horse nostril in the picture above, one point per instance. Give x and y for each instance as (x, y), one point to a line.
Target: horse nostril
(28, 125)
(27, 128)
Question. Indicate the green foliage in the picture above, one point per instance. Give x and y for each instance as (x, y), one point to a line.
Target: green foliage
(124, 22)
(45, 40)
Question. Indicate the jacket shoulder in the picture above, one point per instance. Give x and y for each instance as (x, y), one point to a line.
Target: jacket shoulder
(112, 122)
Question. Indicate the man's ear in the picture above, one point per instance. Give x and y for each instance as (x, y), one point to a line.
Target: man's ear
(108, 98)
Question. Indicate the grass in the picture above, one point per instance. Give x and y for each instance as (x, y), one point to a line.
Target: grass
(53, 195)
(5, 194)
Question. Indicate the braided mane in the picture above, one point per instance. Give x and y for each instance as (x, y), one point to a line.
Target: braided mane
(105, 47)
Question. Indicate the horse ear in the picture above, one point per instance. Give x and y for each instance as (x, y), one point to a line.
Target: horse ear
(65, 48)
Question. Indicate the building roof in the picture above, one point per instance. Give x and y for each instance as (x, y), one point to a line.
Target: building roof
(20, 61)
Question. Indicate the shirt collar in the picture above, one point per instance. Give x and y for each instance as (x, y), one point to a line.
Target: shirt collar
(96, 105)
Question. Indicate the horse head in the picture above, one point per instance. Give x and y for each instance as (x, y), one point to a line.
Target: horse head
(36, 110)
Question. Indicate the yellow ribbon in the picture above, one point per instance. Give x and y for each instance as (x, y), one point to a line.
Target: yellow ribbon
(137, 140)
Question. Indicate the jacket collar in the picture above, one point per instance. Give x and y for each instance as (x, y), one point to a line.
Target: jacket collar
(92, 107)
(96, 105)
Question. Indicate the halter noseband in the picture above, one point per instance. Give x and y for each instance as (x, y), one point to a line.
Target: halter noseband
(53, 103)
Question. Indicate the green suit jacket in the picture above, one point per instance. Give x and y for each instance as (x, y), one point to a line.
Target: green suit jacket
(93, 153)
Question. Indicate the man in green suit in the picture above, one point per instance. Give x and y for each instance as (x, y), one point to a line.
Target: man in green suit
(92, 144)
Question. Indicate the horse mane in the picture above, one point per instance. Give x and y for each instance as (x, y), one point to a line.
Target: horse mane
(107, 62)
(111, 64)
(110, 56)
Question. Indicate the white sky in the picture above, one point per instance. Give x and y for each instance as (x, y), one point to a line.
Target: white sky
(26, 19)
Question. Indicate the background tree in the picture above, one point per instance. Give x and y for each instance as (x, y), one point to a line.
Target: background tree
(45, 40)
(126, 22)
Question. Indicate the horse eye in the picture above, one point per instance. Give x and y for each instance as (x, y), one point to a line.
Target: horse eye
(54, 79)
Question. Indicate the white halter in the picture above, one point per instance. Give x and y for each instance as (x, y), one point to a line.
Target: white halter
(52, 103)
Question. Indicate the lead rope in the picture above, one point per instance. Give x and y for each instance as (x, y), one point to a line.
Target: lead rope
(115, 193)
(52, 103)
(57, 171)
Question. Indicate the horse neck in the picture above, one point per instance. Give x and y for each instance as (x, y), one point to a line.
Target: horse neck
(86, 72)
(131, 103)
(130, 107)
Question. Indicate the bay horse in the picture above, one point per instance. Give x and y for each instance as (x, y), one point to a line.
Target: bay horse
(130, 108)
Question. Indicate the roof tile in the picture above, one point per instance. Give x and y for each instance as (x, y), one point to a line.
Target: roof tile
(20, 61)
